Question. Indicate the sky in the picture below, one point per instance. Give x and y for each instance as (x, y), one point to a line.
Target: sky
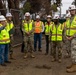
(65, 5)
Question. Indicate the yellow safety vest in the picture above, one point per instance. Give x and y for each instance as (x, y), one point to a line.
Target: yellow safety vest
(71, 28)
(9, 26)
(38, 27)
(47, 28)
(4, 36)
(57, 32)
(28, 27)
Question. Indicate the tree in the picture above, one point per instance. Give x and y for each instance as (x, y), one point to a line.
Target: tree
(26, 7)
(54, 7)
(47, 6)
(2, 7)
(35, 5)
(14, 4)
(58, 2)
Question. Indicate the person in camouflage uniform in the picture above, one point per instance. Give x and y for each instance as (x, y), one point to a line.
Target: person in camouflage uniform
(10, 28)
(72, 38)
(56, 39)
(67, 43)
(28, 31)
(73, 49)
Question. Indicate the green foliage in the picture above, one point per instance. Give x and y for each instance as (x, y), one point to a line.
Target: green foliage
(54, 7)
(26, 7)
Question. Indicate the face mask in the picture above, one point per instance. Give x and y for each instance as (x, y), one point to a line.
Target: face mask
(56, 22)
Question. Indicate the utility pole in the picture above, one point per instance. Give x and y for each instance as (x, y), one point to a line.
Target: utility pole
(60, 10)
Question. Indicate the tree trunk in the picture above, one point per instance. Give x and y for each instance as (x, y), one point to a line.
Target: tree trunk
(2, 9)
(14, 4)
(11, 4)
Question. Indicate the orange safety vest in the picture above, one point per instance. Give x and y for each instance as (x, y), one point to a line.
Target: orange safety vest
(38, 27)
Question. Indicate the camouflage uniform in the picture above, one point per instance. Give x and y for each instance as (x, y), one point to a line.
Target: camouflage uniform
(73, 50)
(11, 46)
(28, 39)
(72, 67)
(68, 48)
(10, 28)
(73, 46)
(57, 46)
(68, 42)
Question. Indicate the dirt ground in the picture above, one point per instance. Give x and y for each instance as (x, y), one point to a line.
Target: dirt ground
(40, 65)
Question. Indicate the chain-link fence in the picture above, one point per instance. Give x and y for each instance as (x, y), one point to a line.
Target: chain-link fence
(3, 11)
(17, 23)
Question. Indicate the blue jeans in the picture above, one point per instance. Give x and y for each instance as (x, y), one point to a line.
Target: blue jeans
(37, 38)
(4, 49)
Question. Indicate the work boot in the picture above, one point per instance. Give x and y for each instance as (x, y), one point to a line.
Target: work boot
(71, 69)
(67, 55)
(3, 64)
(40, 50)
(11, 56)
(59, 60)
(7, 61)
(53, 59)
(69, 66)
(25, 56)
(34, 50)
(32, 56)
(46, 53)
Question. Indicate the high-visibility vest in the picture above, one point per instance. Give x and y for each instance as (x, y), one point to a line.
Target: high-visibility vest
(9, 26)
(4, 36)
(28, 26)
(47, 28)
(38, 27)
(71, 27)
(57, 32)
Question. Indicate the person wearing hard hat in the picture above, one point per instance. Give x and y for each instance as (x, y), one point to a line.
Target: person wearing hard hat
(39, 28)
(47, 32)
(67, 42)
(57, 30)
(10, 28)
(4, 41)
(71, 36)
(28, 32)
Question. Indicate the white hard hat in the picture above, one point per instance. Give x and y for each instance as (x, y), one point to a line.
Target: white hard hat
(56, 16)
(68, 15)
(37, 17)
(72, 7)
(48, 16)
(27, 14)
(8, 15)
(2, 18)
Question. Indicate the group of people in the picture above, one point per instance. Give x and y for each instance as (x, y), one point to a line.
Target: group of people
(55, 34)
(6, 38)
